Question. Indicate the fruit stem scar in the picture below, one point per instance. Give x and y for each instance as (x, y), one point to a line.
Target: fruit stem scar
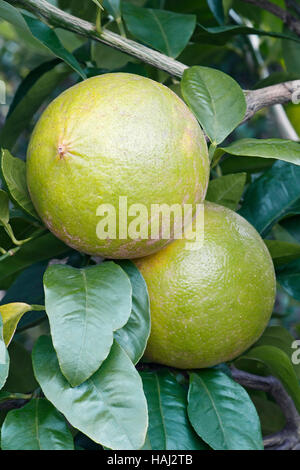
(61, 150)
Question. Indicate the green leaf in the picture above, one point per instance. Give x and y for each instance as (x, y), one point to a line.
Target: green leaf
(85, 10)
(36, 426)
(270, 360)
(280, 338)
(215, 98)
(169, 427)
(217, 9)
(33, 91)
(45, 247)
(20, 378)
(14, 173)
(48, 37)
(292, 226)
(288, 277)
(279, 149)
(28, 287)
(4, 208)
(12, 15)
(275, 78)
(220, 35)
(291, 55)
(110, 407)
(273, 196)
(4, 358)
(40, 31)
(282, 252)
(134, 335)
(222, 412)
(270, 415)
(227, 190)
(11, 315)
(113, 7)
(232, 164)
(165, 31)
(85, 307)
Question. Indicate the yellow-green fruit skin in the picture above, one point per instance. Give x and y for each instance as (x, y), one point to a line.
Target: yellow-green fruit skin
(211, 304)
(114, 135)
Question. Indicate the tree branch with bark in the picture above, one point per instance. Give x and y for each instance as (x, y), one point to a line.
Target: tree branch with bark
(53, 16)
(291, 21)
(289, 437)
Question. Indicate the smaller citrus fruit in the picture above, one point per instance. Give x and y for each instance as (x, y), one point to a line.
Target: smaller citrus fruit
(210, 304)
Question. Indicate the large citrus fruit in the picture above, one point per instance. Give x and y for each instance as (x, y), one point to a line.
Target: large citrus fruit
(109, 136)
(209, 305)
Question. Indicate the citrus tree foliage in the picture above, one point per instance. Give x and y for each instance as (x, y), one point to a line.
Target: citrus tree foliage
(73, 329)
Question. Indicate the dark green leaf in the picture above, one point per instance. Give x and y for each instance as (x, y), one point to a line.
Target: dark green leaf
(289, 278)
(83, 9)
(273, 196)
(110, 407)
(244, 164)
(14, 173)
(28, 287)
(20, 378)
(270, 415)
(165, 31)
(113, 7)
(292, 225)
(4, 208)
(280, 338)
(217, 9)
(275, 78)
(36, 426)
(84, 307)
(282, 252)
(48, 37)
(222, 412)
(134, 335)
(227, 190)
(291, 55)
(45, 247)
(33, 91)
(222, 34)
(279, 149)
(215, 98)
(270, 360)
(4, 357)
(169, 428)
(40, 31)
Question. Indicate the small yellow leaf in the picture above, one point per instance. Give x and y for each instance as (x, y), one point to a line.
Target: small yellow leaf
(11, 315)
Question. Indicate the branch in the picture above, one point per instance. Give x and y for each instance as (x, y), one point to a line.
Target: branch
(289, 437)
(60, 19)
(13, 404)
(288, 19)
(256, 100)
(276, 94)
